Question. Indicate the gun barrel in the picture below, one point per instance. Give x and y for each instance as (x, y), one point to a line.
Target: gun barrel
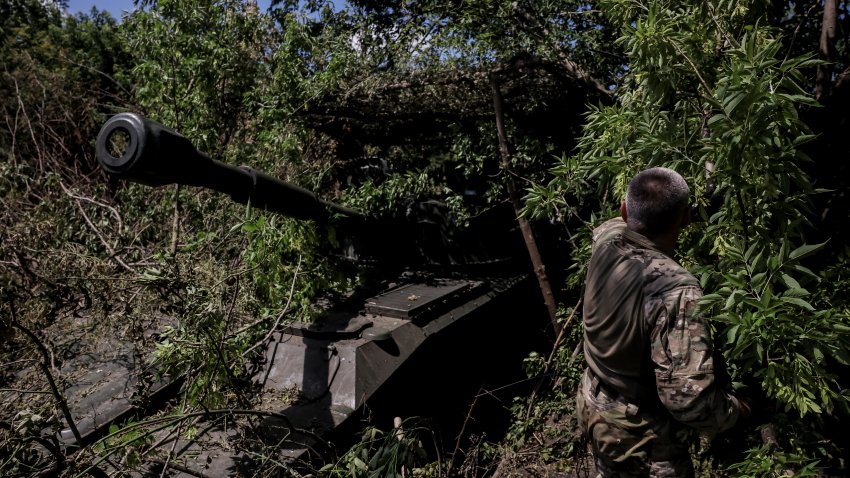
(143, 151)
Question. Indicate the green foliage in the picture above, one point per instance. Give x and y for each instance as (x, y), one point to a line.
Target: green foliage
(774, 333)
(755, 142)
(128, 440)
(711, 93)
(286, 270)
(799, 451)
(65, 69)
(397, 453)
(59, 74)
(195, 64)
(762, 463)
(380, 198)
(446, 35)
(198, 349)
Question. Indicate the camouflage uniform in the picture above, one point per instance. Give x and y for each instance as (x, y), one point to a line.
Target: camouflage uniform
(650, 365)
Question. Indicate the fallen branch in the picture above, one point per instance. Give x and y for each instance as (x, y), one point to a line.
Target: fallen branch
(29, 123)
(97, 203)
(462, 430)
(279, 316)
(109, 249)
(176, 466)
(18, 390)
(161, 423)
(175, 220)
(61, 402)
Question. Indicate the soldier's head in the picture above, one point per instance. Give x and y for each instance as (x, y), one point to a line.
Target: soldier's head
(657, 202)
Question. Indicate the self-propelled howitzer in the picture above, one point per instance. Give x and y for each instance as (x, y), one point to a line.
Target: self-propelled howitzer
(403, 350)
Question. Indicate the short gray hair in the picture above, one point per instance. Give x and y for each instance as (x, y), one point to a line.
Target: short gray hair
(655, 200)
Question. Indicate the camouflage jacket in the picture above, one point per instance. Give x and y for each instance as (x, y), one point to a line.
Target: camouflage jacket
(642, 338)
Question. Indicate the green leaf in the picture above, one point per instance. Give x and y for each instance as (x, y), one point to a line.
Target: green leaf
(783, 250)
(804, 250)
(732, 334)
(766, 297)
(798, 302)
(804, 138)
(715, 119)
(790, 282)
(841, 356)
(805, 270)
(796, 293)
(731, 301)
(749, 252)
(729, 106)
(773, 263)
(735, 280)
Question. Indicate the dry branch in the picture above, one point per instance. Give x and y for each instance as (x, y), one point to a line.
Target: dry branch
(524, 225)
(61, 402)
(112, 254)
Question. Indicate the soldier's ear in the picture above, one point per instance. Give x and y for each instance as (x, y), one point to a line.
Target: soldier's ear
(624, 213)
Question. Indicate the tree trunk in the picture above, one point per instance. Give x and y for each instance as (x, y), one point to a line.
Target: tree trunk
(826, 51)
(525, 227)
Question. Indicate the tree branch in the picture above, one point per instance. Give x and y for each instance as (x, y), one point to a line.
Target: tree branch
(542, 32)
(61, 402)
(109, 249)
(525, 227)
(826, 50)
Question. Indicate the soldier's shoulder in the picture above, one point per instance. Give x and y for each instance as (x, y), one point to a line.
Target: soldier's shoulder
(663, 274)
(608, 230)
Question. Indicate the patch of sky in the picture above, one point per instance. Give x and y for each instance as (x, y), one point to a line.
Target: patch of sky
(117, 8)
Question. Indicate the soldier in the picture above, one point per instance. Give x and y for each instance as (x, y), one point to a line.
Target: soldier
(650, 370)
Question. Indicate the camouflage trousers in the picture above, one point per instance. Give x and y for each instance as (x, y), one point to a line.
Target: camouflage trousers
(628, 441)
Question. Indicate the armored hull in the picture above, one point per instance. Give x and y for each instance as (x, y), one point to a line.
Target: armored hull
(418, 349)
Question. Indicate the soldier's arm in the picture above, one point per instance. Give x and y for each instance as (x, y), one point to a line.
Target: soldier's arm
(684, 366)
